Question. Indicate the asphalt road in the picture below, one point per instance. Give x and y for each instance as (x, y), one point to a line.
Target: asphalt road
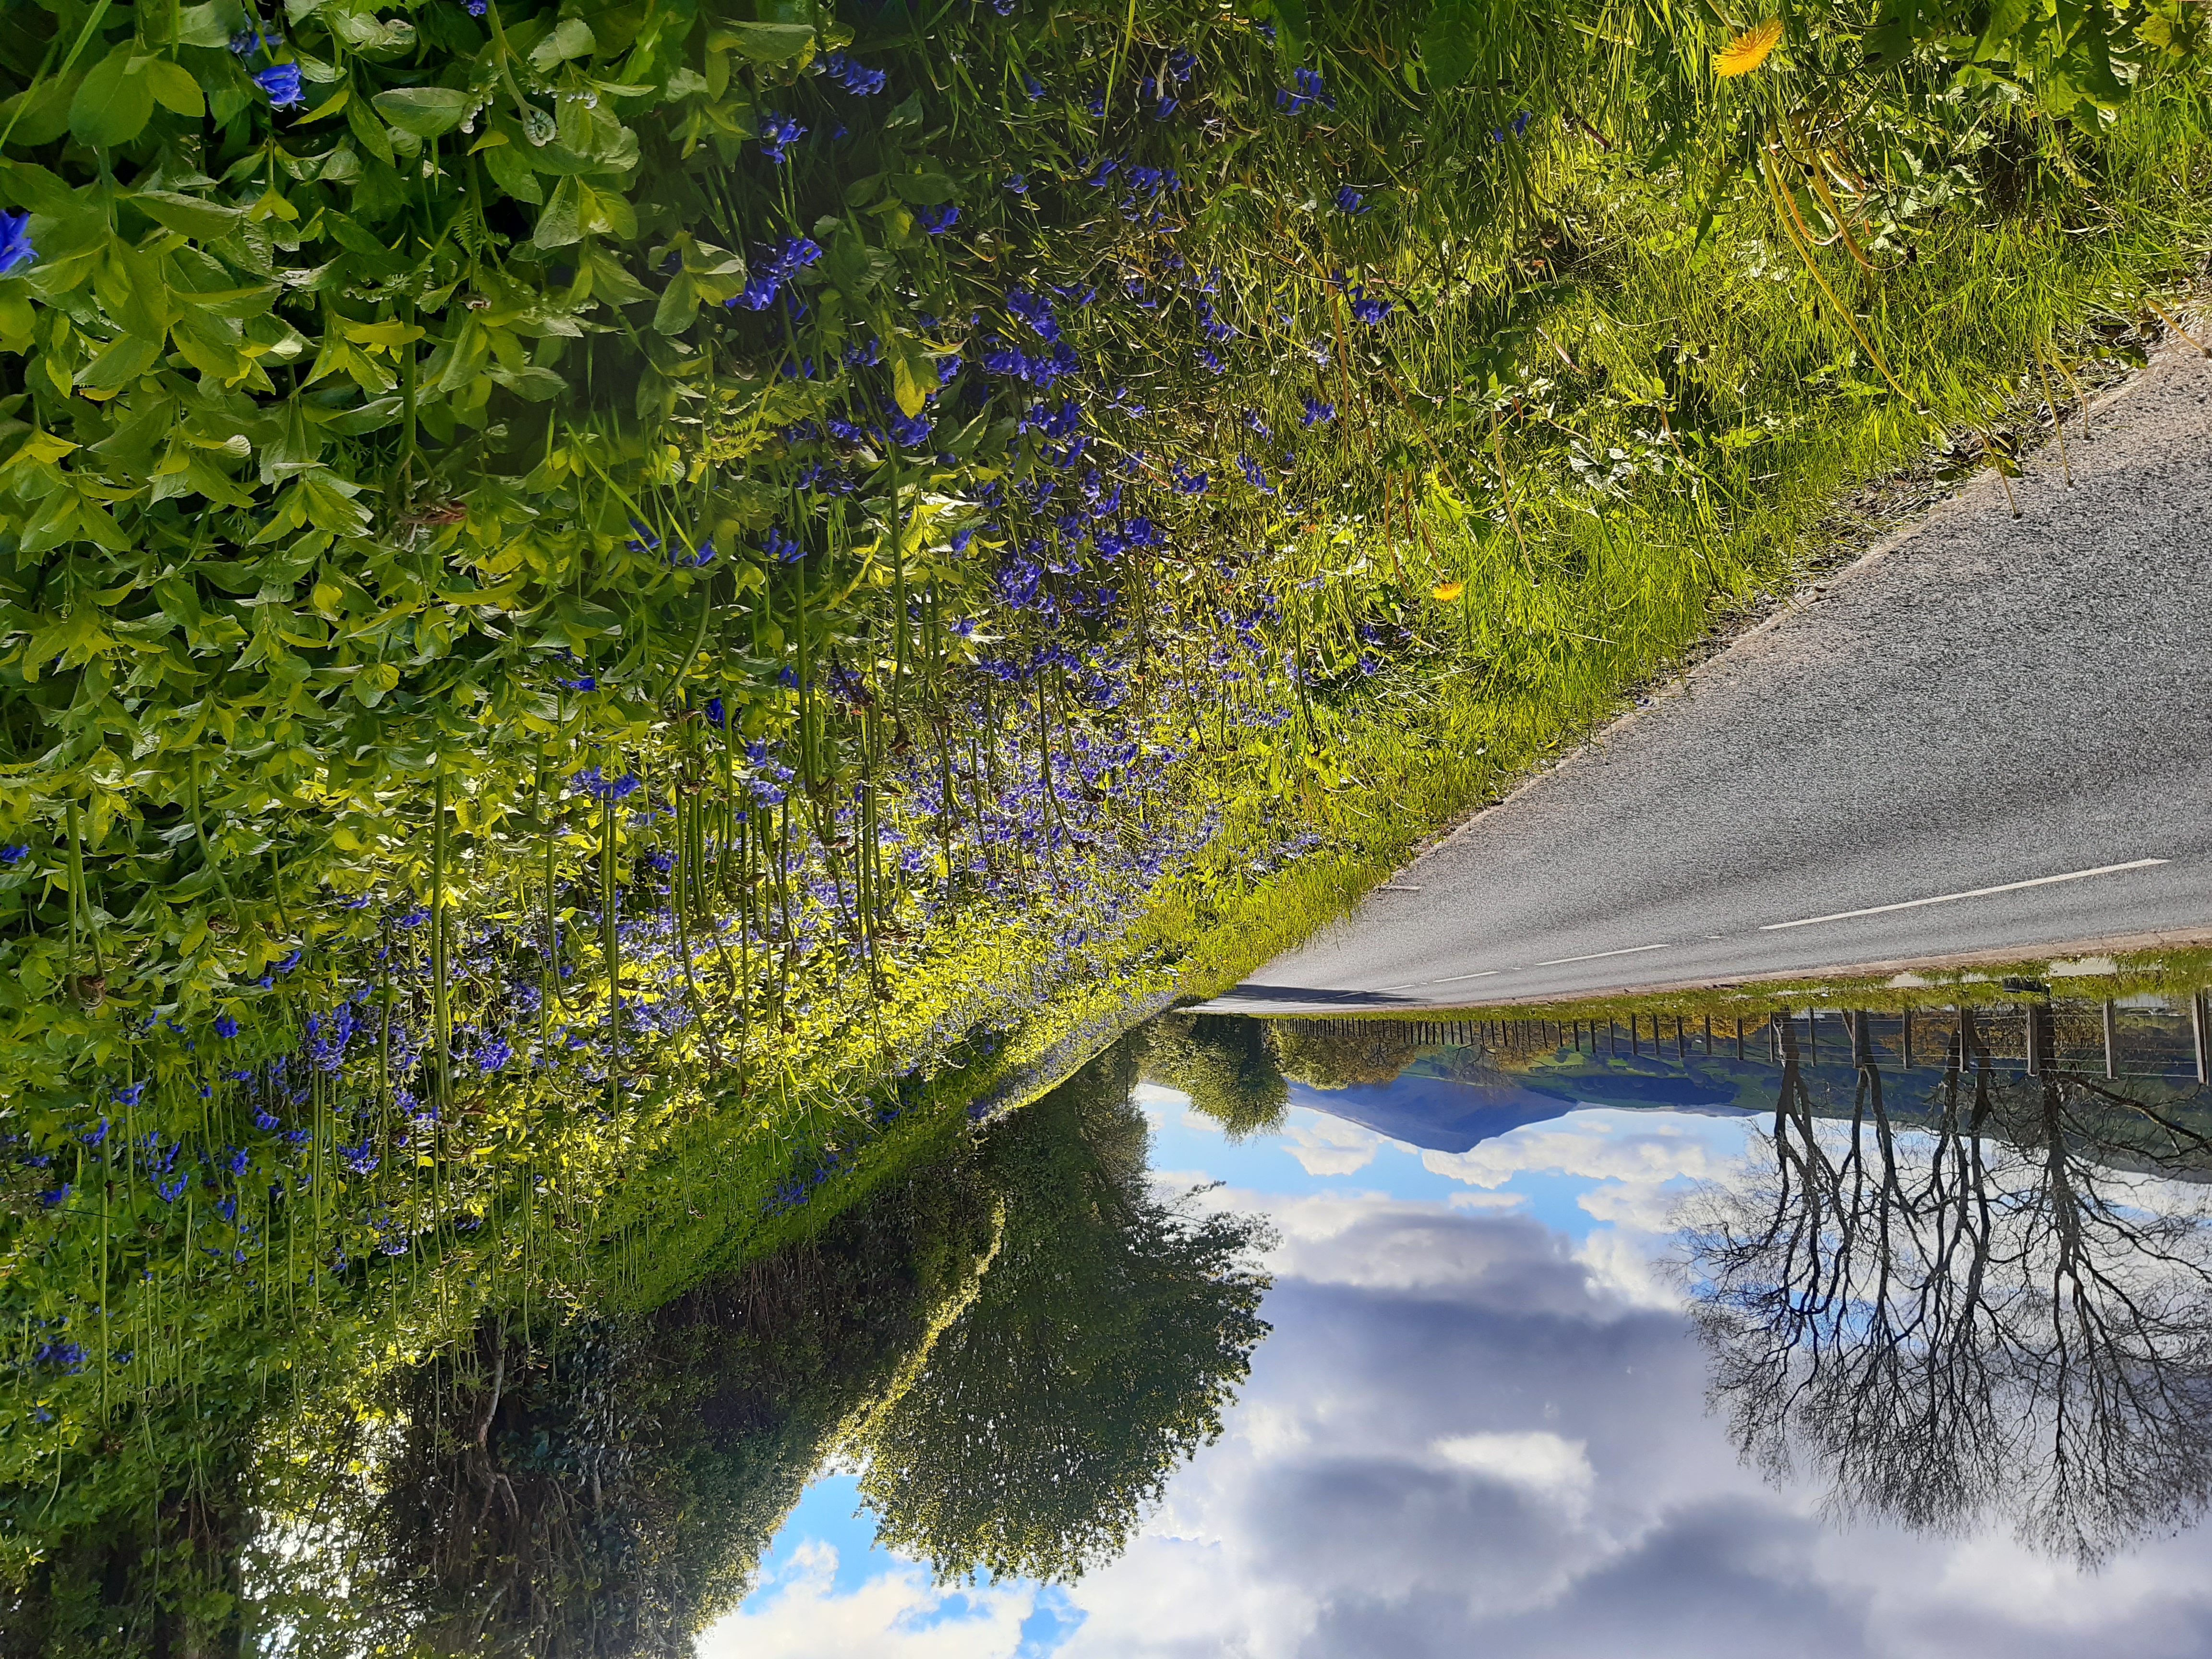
(1980, 702)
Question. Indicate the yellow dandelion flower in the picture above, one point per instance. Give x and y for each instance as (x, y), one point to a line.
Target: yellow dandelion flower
(1449, 592)
(1748, 50)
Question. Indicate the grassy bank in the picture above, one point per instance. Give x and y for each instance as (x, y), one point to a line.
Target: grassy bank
(1738, 417)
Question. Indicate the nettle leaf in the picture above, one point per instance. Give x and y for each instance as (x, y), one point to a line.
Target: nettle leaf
(426, 111)
(115, 102)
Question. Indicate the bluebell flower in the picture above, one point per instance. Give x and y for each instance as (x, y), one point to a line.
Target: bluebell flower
(715, 714)
(783, 548)
(1310, 90)
(492, 1055)
(225, 1026)
(289, 964)
(1188, 483)
(281, 82)
(247, 42)
(581, 682)
(592, 782)
(1366, 310)
(856, 78)
(1018, 183)
(97, 1133)
(56, 1197)
(15, 249)
(1317, 413)
(61, 1356)
(1349, 200)
(1253, 476)
(263, 1119)
(1166, 107)
(127, 1094)
(937, 220)
(1034, 310)
(1212, 361)
(170, 1190)
(778, 132)
(12, 856)
(1032, 85)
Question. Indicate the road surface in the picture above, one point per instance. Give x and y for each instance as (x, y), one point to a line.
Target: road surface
(1989, 738)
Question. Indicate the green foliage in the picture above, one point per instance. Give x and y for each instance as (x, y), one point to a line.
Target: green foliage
(1099, 1352)
(1224, 1064)
(360, 647)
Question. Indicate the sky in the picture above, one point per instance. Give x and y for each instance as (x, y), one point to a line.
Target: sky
(1478, 1427)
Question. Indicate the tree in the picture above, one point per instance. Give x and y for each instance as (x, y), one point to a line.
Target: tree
(1224, 1064)
(1099, 1354)
(1343, 1053)
(1997, 1305)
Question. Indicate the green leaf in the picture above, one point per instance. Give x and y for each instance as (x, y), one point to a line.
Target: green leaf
(211, 24)
(113, 105)
(562, 222)
(369, 417)
(125, 360)
(40, 115)
(368, 131)
(426, 111)
(769, 43)
(174, 87)
(188, 215)
(571, 37)
(913, 375)
(679, 303)
(1448, 43)
(923, 189)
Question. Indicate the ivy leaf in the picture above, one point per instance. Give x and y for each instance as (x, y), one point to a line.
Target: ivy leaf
(113, 105)
(426, 111)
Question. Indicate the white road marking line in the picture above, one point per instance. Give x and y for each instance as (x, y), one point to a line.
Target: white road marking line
(1633, 950)
(1415, 984)
(1978, 892)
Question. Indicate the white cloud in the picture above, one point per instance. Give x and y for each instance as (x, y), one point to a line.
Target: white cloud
(799, 1614)
(1550, 1466)
(1329, 1146)
(1596, 1146)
